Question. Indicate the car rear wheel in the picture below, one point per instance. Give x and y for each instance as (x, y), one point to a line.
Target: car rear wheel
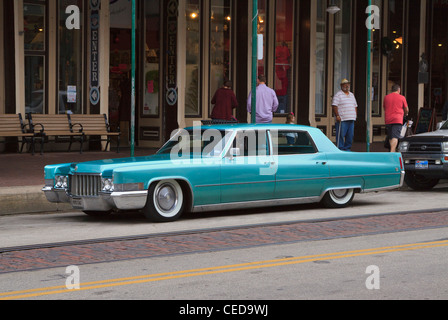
(418, 182)
(165, 201)
(338, 198)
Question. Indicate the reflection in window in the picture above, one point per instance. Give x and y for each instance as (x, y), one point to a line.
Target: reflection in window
(284, 39)
(342, 47)
(151, 85)
(70, 63)
(193, 57)
(376, 67)
(395, 33)
(34, 84)
(34, 43)
(34, 26)
(220, 44)
(321, 52)
(262, 30)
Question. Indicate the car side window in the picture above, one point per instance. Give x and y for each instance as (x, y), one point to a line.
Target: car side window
(293, 142)
(251, 143)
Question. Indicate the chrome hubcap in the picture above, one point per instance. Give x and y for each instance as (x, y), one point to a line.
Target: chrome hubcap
(166, 198)
(339, 193)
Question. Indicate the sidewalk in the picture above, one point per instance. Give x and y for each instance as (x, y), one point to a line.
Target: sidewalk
(22, 175)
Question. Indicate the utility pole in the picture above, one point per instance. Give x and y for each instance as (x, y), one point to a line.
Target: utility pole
(254, 61)
(133, 82)
(368, 83)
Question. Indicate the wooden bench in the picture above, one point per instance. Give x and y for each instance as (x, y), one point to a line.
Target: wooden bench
(12, 125)
(56, 125)
(94, 125)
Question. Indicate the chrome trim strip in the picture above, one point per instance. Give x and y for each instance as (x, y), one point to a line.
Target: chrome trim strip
(255, 204)
(292, 180)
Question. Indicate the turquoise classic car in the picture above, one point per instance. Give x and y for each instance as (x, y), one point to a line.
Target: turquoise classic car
(217, 167)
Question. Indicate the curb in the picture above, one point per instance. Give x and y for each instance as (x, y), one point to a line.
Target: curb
(29, 199)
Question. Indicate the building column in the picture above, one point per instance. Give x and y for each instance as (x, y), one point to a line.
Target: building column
(359, 83)
(2, 65)
(19, 57)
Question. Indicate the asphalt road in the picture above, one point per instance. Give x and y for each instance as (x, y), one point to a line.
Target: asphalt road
(26, 229)
(409, 263)
(405, 265)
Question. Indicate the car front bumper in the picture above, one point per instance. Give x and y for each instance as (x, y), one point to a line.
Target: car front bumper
(132, 200)
(433, 170)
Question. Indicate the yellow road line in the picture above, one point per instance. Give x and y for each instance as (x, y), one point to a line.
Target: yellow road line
(216, 270)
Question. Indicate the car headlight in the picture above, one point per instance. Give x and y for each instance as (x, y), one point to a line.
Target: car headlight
(403, 146)
(107, 185)
(445, 147)
(60, 182)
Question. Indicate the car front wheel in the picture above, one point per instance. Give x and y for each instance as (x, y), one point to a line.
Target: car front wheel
(165, 201)
(338, 198)
(418, 182)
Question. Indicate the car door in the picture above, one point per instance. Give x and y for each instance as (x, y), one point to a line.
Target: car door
(248, 169)
(302, 169)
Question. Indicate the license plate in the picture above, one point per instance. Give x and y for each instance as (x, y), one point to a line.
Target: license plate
(421, 164)
(77, 203)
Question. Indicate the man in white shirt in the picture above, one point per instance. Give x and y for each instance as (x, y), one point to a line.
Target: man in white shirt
(345, 110)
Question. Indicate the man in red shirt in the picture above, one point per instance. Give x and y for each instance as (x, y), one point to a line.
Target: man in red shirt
(395, 109)
(224, 101)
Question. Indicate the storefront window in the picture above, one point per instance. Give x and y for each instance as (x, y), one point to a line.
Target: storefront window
(262, 31)
(396, 36)
(342, 44)
(193, 57)
(34, 84)
(283, 54)
(34, 26)
(220, 43)
(70, 63)
(151, 79)
(321, 52)
(34, 41)
(376, 67)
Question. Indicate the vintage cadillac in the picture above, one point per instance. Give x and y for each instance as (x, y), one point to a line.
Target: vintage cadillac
(217, 167)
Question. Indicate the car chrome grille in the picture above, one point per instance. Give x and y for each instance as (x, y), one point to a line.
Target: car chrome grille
(425, 147)
(85, 185)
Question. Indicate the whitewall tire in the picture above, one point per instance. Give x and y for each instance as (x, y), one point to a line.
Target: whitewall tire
(165, 201)
(338, 198)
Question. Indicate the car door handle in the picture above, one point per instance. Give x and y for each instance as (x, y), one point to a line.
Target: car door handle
(271, 163)
(323, 162)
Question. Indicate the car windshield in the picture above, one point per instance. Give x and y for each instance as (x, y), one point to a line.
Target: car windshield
(445, 126)
(205, 143)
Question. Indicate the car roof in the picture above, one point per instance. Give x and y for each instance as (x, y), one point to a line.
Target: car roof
(246, 126)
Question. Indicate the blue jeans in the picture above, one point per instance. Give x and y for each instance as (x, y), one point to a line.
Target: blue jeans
(344, 134)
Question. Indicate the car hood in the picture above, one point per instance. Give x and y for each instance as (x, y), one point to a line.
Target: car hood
(437, 133)
(107, 166)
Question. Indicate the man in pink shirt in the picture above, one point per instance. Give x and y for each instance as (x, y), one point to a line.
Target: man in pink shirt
(267, 101)
(395, 109)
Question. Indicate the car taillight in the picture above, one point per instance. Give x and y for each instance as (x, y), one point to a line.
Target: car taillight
(401, 163)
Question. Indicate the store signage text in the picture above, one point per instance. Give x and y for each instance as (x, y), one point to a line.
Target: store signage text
(171, 86)
(94, 52)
